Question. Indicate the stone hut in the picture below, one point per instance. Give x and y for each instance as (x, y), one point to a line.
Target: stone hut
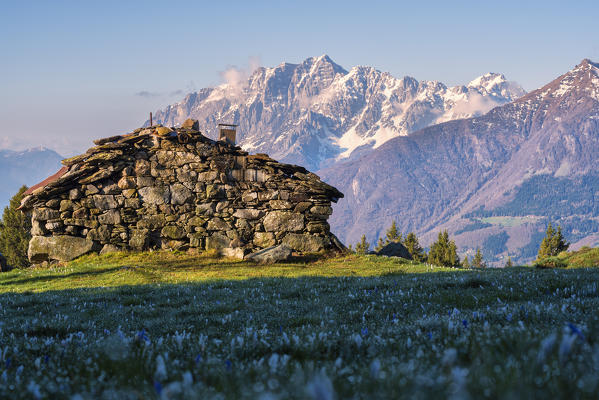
(173, 188)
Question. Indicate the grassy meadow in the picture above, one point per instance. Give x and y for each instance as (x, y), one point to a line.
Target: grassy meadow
(173, 325)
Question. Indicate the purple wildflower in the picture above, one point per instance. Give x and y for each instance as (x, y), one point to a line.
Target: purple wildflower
(141, 335)
(574, 329)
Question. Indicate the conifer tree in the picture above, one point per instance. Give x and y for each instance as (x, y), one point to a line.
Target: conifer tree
(15, 232)
(380, 244)
(393, 234)
(444, 252)
(478, 261)
(553, 243)
(559, 244)
(362, 246)
(466, 263)
(452, 254)
(413, 246)
(509, 263)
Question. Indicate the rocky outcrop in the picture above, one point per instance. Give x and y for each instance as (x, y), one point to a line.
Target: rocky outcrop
(395, 249)
(316, 113)
(174, 188)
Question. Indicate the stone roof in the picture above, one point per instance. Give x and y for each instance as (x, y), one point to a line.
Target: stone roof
(110, 155)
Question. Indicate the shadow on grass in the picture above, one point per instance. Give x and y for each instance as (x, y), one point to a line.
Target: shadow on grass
(480, 283)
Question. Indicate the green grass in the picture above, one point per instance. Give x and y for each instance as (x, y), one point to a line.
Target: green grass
(172, 325)
(508, 221)
(586, 257)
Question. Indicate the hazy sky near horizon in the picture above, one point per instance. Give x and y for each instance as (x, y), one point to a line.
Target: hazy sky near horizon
(72, 71)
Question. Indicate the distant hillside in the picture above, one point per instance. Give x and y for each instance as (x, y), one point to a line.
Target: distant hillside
(25, 168)
(316, 113)
(493, 181)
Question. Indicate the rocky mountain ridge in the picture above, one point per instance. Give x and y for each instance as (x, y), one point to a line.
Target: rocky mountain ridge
(316, 113)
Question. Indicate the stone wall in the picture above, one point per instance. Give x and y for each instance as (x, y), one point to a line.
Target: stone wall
(176, 189)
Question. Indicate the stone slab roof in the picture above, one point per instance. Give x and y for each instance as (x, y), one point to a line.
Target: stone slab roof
(107, 157)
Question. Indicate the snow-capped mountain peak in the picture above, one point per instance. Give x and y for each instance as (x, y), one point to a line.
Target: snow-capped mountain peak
(487, 81)
(315, 113)
(582, 81)
(494, 84)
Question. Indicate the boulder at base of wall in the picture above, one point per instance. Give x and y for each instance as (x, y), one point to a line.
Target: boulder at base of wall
(271, 255)
(60, 248)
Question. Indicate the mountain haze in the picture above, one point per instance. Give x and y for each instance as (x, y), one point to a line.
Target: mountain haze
(316, 113)
(25, 168)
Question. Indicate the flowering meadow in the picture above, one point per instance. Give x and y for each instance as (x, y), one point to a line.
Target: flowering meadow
(177, 326)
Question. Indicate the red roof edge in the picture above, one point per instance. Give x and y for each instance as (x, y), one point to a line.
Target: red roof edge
(47, 181)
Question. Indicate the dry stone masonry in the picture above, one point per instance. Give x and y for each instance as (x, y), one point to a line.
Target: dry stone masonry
(173, 188)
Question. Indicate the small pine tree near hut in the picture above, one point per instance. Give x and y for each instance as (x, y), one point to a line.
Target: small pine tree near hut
(393, 234)
(380, 244)
(362, 247)
(413, 246)
(15, 232)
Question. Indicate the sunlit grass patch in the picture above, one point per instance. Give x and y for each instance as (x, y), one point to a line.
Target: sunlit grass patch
(585, 257)
(119, 269)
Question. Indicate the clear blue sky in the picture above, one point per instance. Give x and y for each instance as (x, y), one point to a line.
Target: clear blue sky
(73, 71)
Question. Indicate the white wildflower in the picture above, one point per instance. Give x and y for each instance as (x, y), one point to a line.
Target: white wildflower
(320, 388)
(458, 383)
(160, 373)
(546, 347)
(338, 362)
(187, 378)
(565, 347)
(273, 361)
(375, 367)
(34, 389)
(449, 357)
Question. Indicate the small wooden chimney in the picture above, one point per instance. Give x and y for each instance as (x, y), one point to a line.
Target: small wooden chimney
(227, 133)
